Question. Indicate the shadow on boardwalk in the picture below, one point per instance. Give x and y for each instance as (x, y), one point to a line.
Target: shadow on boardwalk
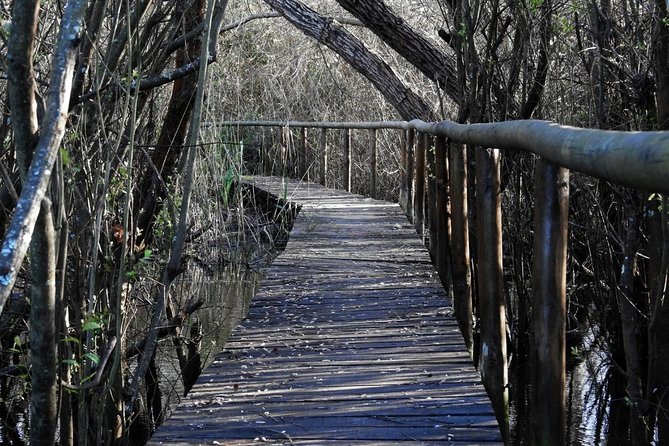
(351, 339)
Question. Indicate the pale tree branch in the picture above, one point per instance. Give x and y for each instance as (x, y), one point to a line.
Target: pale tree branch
(20, 230)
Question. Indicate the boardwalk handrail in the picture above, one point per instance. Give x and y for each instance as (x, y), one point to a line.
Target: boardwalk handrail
(633, 158)
(433, 192)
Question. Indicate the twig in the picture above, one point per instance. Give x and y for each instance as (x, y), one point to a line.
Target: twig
(169, 328)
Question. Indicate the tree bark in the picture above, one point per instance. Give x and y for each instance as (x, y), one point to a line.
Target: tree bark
(22, 82)
(661, 62)
(43, 336)
(395, 32)
(20, 231)
(330, 33)
(629, 305)
(172, 136)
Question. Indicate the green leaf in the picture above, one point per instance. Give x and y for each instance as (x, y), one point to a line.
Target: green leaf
(71, 339)
(91, 325)
(65, 156)
(94, 358)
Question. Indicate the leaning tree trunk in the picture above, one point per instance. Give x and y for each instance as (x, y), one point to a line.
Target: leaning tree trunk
(328, 32)
(435, 64)
(172, 136)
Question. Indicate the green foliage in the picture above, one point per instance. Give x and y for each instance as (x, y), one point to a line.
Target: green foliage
(228, 180)
(462, 30)
(535, 5)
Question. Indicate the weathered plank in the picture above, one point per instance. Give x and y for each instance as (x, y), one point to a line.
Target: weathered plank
(351, 339)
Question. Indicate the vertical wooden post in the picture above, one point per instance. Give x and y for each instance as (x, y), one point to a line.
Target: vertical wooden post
(442, 227)
(346, 147)
(431, 213)
(419, 185)
(461, 268)
(264, 153)
(372, 163)
(404, 199)
(490, 284)
(547, 347)
(411, 140)
(302, 157)
(285, 138)
(323, 146)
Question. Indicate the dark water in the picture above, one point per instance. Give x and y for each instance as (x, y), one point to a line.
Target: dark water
(227, 296)
(587, 400)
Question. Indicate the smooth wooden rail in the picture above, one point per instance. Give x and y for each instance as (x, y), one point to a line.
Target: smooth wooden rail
(636, 159)
(433, 192)
(350, 340)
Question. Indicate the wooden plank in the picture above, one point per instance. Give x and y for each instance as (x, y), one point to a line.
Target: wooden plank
(351, 338)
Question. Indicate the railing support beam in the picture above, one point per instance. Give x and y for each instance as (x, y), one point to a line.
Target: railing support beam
(323, 147)
(547, 346)
(303, 153)
(346, 148)
(409, 169)
(490, 284)
(419, 185)
(440, 227)
(372, 163)
(461, 268)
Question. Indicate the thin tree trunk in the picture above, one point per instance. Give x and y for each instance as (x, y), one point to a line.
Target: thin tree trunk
(43, 339)
(629, 306)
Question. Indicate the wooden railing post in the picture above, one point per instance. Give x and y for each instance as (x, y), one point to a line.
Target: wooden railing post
(441, 234)
(285, 142)
(372, 163)
(323, 147)
(419, 184)
(411, 146)
(302, 157)
(547, 346)
(346, 148)
(490, 284)
(461, 268)
(431, 213)
(403, 198)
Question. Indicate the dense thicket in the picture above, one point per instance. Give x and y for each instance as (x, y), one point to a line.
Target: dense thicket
(101, 110)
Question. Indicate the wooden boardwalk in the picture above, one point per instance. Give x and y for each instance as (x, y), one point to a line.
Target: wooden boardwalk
(351, 340)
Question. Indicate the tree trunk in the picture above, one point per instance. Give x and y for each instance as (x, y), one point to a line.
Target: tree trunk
(328, 32)
(629, 305)
(43, 339)
(172, 136)
(395, 32)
